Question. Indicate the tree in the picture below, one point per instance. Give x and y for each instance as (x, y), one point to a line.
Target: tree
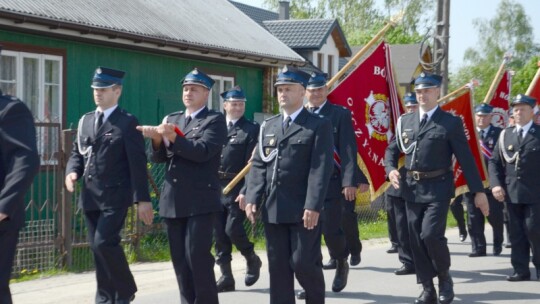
(361, 19)
(509, 30)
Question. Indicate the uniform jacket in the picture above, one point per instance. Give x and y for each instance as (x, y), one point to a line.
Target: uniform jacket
(519, 178)
(345, 144)
(19, 160)
(490, 140)
(302, 168)
(442, 137)
(115, 174)
(192, 183)
(241, 141)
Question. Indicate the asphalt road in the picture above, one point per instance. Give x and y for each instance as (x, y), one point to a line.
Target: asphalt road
(476, 280)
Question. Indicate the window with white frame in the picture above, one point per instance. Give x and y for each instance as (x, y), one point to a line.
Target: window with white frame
(222, 83)
(36, 79)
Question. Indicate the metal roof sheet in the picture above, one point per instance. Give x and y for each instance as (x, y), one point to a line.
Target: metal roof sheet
(215, 24)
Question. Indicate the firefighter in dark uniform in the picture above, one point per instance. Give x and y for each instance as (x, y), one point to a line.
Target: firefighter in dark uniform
(345, 179)
(396, 206)
(229, 226)
(191, 195)
(291, 168)
(488, 136)
(109, 155)
(513, 176)
(19, 163)
(430, 138)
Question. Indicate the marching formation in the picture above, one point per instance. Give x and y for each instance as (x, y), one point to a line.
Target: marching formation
(302, 185)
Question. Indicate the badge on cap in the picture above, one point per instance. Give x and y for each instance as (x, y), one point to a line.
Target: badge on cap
(195, 72)
(98, 71)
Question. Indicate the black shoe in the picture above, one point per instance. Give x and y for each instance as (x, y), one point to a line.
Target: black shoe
(226, 281)
(342, 274)
(392, 249)
(428, 295)
(404, 270)
(497, 250)
(301, 295)
(330, 265)
(463, 236)
(253, 269)
(477, 254)
(516, 277)
(355, 259)
(446, 288)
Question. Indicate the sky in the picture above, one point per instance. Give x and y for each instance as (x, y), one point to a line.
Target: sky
(462, 13)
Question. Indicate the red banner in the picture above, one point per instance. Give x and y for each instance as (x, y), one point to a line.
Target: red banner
(462, 107)
(369, 92)
(500, 101)
(534, 87)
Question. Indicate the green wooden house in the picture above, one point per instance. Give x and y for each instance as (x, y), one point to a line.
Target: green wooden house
(52, 47)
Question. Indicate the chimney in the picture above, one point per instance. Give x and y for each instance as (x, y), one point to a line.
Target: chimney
(284, 9)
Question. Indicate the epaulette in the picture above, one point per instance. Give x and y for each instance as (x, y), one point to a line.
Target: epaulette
(176, 113)
(272, 117)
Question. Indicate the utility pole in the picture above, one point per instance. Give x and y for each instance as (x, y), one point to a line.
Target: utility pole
(441, 49)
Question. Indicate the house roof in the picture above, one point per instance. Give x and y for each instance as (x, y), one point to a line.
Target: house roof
(214, 27)
(257, 14)
(309, 34)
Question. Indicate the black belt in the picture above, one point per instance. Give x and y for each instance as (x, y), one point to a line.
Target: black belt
(418, 175)
(226, 175)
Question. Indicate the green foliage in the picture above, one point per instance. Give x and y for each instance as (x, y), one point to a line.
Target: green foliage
(508, 31)
(361, 19)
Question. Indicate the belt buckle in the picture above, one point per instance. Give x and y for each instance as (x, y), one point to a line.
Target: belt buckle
(416, 175)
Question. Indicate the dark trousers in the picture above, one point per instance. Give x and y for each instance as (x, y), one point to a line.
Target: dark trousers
(402, 230)
(114, 279)
(294, 250)
(190, 241)
(427, 224)
(8, 244)
(334, 236)
(459, 214)
(524, 236)
(229, 230)
(477, 222)
(349, 224)
(391, 221)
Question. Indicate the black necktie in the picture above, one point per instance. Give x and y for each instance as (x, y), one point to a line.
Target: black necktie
(424, 120)
(313, 109)
(98, 122)
(482, 132)
(286, 123)
(230, 125)
(520, 135)
(188, 120)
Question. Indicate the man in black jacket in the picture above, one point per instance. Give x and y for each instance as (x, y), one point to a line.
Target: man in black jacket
(488, 137)
(19, 163)
(191, 194)
(429, 138)
(513, 177)
(109, 155)
(345, 180)
(291, 169)
(229, 226)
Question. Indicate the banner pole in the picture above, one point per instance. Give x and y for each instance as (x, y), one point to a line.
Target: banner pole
(534, 81)
(495, 82)
(364, 49)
